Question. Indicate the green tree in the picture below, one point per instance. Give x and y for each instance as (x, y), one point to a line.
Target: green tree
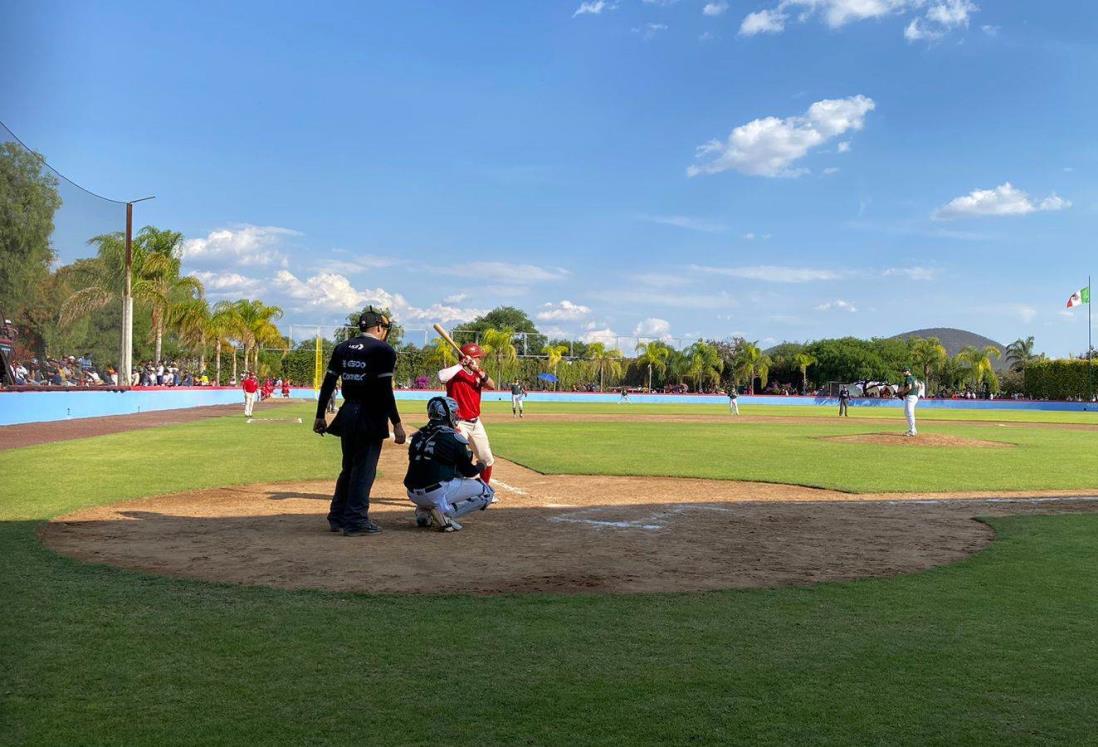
(28, 201)
(440, 354)
(654, 357)
(803, 361)
(163, 281)
(256, 328)
(554, 354)
(929, 356)
(191, 321)
(606, 361)
(978, 365)
(1019, 354)
(705, 365)
(752, 363)
(501, 317)
(499, 346)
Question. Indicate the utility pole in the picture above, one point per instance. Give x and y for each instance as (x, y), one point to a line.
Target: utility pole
(125, 359)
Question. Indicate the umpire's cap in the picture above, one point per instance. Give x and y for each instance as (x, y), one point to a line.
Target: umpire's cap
(372, 317)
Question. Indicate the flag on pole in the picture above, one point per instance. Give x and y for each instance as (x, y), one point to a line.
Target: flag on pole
(1079, 297)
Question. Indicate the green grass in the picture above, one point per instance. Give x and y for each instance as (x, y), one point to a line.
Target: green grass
(993, 649)
(893, 412)
(1042, 458)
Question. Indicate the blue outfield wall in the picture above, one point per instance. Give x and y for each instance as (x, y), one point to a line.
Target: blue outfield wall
(37, 407)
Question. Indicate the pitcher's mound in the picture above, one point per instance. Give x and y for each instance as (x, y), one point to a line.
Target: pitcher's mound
(936, 440)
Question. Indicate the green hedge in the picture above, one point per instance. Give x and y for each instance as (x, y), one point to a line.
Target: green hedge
(1059, 379)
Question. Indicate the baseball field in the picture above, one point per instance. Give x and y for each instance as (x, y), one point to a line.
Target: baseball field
(650, 574)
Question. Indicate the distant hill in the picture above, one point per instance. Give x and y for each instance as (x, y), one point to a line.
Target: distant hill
(953, 340)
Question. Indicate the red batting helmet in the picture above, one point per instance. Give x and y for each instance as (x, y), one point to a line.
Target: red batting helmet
(472, 350)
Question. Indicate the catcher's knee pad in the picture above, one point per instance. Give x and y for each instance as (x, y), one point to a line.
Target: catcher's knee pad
(476, 503)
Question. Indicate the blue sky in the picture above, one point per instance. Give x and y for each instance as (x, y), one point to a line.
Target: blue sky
(780, 169)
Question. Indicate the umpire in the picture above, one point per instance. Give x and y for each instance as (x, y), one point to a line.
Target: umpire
(365, 363)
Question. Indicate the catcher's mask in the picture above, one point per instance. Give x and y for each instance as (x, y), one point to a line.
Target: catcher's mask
(372, 317)
(442, 411)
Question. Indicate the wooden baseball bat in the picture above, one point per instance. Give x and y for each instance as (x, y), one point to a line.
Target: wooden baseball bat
(445, 336)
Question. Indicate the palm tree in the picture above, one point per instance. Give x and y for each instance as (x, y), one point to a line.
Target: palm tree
(978, 364)
(554, 355)
(441, 355)
(929, 355)
(162, 271)
(678, 366)
(109, 280)
(499, 345)
(803, 361)
(191, 321)
(752, 363)
(1019, 354)
(653, 355)
(256, 328)
(225, 325)
(705, 365)
(605, 360)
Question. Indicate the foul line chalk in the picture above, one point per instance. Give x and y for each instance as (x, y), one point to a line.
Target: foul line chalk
(510, 488)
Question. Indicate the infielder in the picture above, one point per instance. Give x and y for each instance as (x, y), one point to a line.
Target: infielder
(442, 480)
(910, 392)
(250, 387)
(464, 383)
(518, 396)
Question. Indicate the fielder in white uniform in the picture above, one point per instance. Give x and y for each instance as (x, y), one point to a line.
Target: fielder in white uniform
(518, 396)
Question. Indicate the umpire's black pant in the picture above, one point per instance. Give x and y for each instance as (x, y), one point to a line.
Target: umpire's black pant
(351, 502)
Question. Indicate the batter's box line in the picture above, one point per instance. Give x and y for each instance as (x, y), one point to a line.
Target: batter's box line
(510, 488)
(647, 523)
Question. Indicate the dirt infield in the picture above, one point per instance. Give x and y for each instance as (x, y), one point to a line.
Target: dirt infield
(563, 534)
(30, 434)
(933, 440)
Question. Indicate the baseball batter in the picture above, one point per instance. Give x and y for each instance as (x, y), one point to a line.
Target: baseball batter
(464, 383)
(518, 396)
(442, 480)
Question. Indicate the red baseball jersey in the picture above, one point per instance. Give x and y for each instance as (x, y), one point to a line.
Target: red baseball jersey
(465, 389)
(250, 385)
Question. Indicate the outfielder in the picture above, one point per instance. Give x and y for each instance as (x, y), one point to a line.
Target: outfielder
(733, 405)
(464, 383)
(518, 396)
(442, 480)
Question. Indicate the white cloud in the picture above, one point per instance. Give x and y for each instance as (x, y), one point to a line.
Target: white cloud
(770, 146)
(661, 3)
(228, 283)
(332, 292)
(838, 305)
(685, 221)
(655, 328)
(606, 336)
(940, 16)
(763, 22)
(649, 31)
(509, 272)
(831, 170)
(668, 299)
(594, 8)
(565, 311)
(773, 273)
(911, 273)
(243, 245)
(843, 147)
(715, 8)
(1006, 199)
(990, 30)
(456, 298)
(706, 36)
(360, 263)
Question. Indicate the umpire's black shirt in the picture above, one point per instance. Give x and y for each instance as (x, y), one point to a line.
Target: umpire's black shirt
(366, 365)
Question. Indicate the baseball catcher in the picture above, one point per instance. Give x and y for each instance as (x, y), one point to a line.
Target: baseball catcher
(464, 383)
(442, 480)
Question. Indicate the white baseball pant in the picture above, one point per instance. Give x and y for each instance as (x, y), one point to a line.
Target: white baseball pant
(455, 498)
(516, 402)
(909, 411)
(249, 403)
(478, 440)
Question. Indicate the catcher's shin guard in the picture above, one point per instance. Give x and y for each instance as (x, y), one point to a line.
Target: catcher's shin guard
(443, 522)
(475, 503)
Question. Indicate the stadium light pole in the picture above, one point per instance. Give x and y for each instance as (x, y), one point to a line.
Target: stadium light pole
(125, 360)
